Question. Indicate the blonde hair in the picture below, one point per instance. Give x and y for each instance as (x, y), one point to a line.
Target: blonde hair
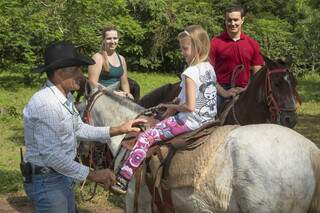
(200, 42)
(105, 64)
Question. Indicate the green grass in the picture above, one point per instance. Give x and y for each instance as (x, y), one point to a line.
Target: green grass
(149, 81)
(309, 111)
(14, 94)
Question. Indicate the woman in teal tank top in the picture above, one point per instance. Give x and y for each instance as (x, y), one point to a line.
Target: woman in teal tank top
(110, 69)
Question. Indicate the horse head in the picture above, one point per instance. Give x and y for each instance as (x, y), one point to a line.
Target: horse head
(105, 108)
(280, 93)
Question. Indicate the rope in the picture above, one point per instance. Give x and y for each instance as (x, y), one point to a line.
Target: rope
(150, 111)
(236, 71)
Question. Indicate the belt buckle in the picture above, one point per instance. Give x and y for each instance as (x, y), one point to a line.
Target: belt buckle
(45, 170)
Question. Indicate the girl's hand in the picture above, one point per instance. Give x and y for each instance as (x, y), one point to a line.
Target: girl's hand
(170, 110)
(176, 100)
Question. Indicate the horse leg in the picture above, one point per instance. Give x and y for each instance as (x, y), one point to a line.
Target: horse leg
(144, 199)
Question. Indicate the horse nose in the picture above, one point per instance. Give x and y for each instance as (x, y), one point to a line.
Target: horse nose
(289, 119)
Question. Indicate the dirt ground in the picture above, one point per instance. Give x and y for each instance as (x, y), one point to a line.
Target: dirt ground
(22, 205)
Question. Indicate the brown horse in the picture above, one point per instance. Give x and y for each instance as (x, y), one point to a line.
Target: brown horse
(270, 97)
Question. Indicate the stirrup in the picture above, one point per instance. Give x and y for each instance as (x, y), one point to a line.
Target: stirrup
(121, 185)
(118, 189)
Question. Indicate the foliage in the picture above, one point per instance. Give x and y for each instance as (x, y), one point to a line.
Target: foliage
(149, 29)
(274, 43)
(307, 38)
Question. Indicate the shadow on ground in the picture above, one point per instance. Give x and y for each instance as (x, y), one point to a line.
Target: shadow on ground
(21, 204)
(309, 126)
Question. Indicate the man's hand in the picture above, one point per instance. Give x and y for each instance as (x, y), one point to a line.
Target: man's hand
(104, 176)
(226, 93)
(240, 89)
(230, 93)
(127, 127)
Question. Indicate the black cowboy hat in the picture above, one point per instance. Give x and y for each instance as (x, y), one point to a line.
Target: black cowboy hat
(62, 54)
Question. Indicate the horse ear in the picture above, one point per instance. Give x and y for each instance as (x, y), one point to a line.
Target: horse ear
(88, 88)
(268, 61)
(289, 61)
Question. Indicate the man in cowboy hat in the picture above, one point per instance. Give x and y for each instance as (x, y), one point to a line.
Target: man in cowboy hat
(52, 126)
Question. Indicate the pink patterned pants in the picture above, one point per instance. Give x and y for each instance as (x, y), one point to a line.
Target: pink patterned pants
(165, 129)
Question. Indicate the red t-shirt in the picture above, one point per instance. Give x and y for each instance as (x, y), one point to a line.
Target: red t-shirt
(226, 54)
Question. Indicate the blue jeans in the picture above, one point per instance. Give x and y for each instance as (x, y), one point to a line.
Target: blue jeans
(52, 193)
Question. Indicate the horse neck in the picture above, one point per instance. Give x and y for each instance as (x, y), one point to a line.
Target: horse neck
(112, 110)
(251, 108)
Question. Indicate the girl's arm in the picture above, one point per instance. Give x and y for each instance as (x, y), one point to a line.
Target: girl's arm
(190, 104)
(95, 69)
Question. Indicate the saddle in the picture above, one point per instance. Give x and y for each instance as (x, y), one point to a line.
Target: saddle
(158, 162)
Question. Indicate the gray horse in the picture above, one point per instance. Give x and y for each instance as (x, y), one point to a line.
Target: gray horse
(253, 168)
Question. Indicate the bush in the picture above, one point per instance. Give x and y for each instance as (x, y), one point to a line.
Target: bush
(149, 29)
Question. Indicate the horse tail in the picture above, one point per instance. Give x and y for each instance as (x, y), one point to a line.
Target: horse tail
(315, 160)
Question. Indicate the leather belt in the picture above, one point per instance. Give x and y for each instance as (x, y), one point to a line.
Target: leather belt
(41, 170)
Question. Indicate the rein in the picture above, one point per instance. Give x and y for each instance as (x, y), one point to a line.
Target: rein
(272, 103)
(236, 71)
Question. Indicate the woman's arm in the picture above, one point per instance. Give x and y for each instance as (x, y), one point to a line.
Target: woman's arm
(95, 70)
(124, 83)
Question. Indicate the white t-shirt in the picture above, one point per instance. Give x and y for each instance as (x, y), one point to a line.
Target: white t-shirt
(204, 77)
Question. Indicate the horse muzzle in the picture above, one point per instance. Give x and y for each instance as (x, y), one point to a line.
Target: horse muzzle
(288, 118)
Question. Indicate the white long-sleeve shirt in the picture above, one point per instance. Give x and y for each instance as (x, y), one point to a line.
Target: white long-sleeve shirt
(52, 127)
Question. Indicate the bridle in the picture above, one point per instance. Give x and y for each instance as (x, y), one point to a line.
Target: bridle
(273, 106)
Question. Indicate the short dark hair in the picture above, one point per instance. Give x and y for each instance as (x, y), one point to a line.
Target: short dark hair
(235, 8)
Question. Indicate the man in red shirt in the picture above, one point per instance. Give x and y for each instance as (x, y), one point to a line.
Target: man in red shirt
(231, 51)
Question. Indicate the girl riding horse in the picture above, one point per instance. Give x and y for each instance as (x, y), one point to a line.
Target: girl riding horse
(195, 108)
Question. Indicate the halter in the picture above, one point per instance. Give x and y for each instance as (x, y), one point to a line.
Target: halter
(272, 103)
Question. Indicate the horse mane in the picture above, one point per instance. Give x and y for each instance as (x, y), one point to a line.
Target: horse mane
(272, 64)
(90, 90)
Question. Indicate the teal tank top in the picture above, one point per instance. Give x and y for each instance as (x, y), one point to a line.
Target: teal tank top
(113, 76)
